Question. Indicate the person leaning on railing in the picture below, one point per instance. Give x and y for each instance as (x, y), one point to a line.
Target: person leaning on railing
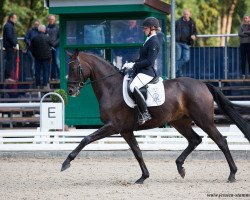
(244, 34)
(185, 35)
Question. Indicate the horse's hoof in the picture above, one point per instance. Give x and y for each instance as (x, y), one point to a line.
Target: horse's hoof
(231, 180)
(65, 165)
(182, 172)
(139, 181)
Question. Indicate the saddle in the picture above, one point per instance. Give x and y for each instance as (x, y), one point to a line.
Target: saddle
(153, 92)
(143, 89)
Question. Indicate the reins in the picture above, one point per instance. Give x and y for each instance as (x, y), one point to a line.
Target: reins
(102, 78)
(80, 74)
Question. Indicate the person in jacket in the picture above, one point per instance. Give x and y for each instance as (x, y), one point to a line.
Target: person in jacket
(185, 35)
(31, 33)
(53, 31)
(10, 44)
(244, 34)
(41, 49)
(143, 68)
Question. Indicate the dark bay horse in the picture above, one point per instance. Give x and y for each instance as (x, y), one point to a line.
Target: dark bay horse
(187, 100)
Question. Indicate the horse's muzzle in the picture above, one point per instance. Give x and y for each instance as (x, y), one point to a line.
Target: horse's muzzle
(70, 92)
(73, 92)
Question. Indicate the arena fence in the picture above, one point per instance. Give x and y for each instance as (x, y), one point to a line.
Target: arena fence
(154, 139)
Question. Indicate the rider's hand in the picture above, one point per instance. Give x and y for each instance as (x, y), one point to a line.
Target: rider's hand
(128, 65)
(128, 70)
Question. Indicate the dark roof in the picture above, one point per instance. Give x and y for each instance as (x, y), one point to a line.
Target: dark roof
(158, 5)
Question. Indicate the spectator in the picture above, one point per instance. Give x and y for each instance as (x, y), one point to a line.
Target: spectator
(132, 33)
(41, 49)
(244, 34)
(10, 45)
(31, 33)
(53, 32)
(185, 35)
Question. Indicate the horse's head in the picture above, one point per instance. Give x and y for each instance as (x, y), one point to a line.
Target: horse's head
(76, 77)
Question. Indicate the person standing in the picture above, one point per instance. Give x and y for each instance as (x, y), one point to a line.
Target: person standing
(31, 33)
(244, 34)
(53, 31)
(10, 44)
(41, 49)
(185, 35)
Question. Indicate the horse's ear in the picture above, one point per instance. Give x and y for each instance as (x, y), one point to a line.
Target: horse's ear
(76, 52)
(69, 54)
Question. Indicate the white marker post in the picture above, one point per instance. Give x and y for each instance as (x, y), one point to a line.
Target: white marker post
(51, 115)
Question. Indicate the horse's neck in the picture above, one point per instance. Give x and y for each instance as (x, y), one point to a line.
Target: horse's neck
(105, 80)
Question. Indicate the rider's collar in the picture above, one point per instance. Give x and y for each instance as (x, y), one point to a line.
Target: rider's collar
(149, 37)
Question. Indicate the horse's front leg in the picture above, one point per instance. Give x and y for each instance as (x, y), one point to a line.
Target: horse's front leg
(103, 132)
(131, 140)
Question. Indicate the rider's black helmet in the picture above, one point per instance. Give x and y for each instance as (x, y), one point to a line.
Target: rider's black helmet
(151, 22)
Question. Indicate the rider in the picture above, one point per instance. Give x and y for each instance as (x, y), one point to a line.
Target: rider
(143, 68)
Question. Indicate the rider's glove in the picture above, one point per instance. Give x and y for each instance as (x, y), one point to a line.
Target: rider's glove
(128, 65)
(128, 68)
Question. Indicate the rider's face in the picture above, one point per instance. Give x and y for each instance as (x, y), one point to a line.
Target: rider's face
(146, 30)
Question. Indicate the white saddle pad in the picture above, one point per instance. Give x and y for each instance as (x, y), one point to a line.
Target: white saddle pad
(155, 93)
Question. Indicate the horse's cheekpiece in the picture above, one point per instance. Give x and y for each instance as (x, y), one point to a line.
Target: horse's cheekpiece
(155, 93)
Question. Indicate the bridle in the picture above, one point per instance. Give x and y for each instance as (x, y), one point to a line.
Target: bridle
(80, 81)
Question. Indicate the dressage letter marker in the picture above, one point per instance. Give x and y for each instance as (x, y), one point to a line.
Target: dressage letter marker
(51, 116)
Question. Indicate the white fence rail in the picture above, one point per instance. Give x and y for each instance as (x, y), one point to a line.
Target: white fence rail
(155, 139)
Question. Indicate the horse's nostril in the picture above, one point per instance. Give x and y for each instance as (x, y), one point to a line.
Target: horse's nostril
(81, 84)
(70, 92)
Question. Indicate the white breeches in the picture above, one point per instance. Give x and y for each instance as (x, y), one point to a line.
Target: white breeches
(139, 81)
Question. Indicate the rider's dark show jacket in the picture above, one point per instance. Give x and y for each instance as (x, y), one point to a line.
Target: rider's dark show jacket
(148, 54)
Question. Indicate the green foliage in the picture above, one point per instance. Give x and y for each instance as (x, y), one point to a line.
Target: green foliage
(63, 94)
(27, 11)
(208, 17)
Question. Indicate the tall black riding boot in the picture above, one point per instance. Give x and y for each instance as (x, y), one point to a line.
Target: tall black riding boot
(140, 101)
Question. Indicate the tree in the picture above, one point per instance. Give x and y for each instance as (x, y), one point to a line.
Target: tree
(26, 10)
(214, 16)
(2, 14)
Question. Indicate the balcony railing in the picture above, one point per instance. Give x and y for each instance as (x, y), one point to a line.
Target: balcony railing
(206, 62)
(214, 61)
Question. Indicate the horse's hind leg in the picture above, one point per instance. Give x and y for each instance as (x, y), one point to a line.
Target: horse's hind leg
(216, 136)
(131, 140)
(183, 126)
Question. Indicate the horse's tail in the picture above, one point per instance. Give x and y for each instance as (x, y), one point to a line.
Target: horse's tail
(228, 109)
